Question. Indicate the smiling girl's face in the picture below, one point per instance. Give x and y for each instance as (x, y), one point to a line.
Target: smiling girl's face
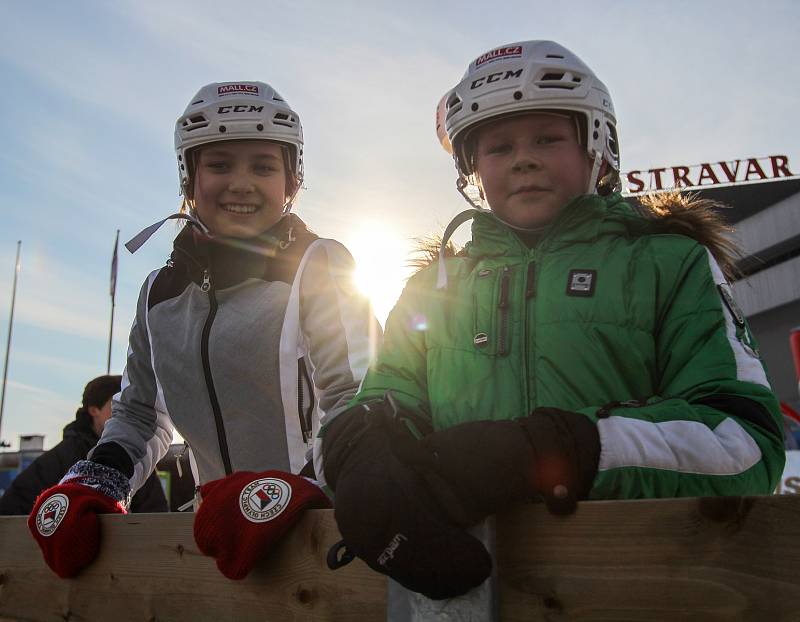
(240, 187)
(530, 166)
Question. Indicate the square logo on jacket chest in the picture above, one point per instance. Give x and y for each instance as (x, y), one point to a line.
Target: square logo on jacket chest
(581, 282)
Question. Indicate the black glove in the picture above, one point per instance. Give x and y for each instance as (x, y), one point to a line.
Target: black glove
(386, 513)
(489, 465)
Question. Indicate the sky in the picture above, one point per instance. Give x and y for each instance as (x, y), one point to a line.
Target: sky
(91, 90)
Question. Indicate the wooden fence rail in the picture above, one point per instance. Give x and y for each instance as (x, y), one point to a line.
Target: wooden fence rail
(709, 559)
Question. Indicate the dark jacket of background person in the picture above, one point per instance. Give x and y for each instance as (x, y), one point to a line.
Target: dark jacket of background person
(50, 467)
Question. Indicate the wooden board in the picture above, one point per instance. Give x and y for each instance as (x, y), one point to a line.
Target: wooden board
(149, 569)
(679, 559)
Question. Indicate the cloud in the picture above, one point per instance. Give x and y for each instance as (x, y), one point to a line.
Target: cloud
(54, 296)
(33, 410)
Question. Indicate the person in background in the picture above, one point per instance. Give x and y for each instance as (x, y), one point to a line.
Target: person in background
(79, 437)
(579, 347)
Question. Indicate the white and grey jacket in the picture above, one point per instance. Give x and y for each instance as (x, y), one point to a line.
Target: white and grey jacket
(243, 347)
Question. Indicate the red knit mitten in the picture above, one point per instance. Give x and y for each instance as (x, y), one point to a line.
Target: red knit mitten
(243, 516)
(64, 524)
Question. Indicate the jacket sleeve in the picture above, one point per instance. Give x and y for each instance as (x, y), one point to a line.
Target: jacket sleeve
(714, 427)
(139, 432)
(150, 498)
(400, 366)
(338, 326)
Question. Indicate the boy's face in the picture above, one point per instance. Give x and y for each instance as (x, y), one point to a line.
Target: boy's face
(240, 187)
(530, 166)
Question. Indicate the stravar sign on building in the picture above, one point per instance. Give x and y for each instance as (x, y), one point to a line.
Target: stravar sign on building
(790, 482)
(706, 174)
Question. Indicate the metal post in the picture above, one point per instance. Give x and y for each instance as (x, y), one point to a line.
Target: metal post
(10, 325)
(113, 302)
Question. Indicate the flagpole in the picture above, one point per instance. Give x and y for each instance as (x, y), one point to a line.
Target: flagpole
(10, 325)
(113, 296)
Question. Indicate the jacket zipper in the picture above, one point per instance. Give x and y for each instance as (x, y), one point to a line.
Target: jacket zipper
(212, 392)
(503, 305)
(530, 293)
(305, 418)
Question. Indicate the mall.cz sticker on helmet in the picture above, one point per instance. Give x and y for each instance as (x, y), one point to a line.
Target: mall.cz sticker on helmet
(506, 52)
(237, 89)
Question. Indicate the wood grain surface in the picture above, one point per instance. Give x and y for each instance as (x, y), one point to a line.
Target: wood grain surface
(703, 559)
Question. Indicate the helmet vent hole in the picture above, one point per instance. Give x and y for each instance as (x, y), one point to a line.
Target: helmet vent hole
(474, 106)
(222, 129)
(611, 132)
(199, 101)
(558, 80)
(281, 118)
(260, 127)
(554, 56)
(517, 94)
(195, 122)
(454, 105)
(277, 98)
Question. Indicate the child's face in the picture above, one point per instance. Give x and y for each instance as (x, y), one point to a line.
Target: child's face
(530, 166)
(240, 187)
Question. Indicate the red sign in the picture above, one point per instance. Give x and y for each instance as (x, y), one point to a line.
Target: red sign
(509, 52)
(706, 174)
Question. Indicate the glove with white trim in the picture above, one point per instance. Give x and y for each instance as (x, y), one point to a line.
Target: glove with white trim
(243, 516)
(551, 454)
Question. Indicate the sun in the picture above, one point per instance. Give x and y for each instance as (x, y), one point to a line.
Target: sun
(381, 266)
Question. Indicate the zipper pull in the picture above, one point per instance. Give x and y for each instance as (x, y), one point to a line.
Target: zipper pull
(206, 281)
(503, 305)
(504, 287)
(178, 466)
(193, 503)
(530, 283)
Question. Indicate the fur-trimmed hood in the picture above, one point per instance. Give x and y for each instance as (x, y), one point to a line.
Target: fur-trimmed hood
(671, 212)
(687, 213)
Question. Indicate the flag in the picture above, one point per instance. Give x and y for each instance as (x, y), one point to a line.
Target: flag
(114, 267)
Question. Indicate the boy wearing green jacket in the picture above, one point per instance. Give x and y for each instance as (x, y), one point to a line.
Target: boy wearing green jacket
(579, 347)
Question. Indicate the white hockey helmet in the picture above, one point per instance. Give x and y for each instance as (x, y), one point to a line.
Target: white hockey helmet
(227, 111)
(524, 77)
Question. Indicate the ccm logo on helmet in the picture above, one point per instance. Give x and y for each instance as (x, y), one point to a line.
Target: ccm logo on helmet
(495, 77)
(239, 108)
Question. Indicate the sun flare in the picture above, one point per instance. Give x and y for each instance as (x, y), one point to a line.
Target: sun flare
(381, 269)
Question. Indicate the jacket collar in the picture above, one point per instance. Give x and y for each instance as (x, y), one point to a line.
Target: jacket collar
(582, 220)
(232, 260)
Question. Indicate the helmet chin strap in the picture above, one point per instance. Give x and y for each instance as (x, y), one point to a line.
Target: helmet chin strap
(461, 184)
(136, 242)
(598, 160)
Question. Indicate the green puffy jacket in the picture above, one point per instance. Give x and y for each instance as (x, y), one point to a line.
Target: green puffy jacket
(607, 316)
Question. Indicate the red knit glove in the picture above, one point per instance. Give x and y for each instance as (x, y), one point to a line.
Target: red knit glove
(64, 524)
(243, 516)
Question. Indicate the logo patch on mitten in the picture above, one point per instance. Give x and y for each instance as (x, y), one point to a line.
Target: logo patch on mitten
(51, 513)
(264, 499)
